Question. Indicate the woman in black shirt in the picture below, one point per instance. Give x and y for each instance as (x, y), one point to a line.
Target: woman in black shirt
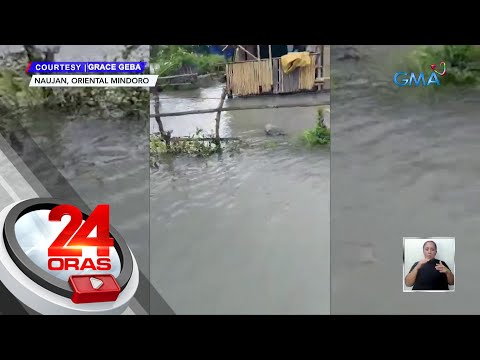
(430, 273)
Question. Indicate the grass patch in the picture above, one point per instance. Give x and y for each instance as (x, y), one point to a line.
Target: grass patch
(198, 144)
(17, 97)
(320, 134)
(462, 63)
(270, 144)
(172, 59)
(15, 92)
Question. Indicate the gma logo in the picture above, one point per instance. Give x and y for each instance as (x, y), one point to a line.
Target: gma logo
(411, 79)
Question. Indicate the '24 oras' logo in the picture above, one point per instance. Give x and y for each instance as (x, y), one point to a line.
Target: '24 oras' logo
(403, 78)
(66, 251)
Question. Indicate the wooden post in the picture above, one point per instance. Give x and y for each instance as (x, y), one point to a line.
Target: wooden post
(321, 62)
(217, 117)
(165, 134)
(274, 75)
(237, 108)
(326, 67)
(247, 52)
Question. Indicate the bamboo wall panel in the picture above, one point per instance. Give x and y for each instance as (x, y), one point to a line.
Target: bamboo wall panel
(265, 76)
(326, 66)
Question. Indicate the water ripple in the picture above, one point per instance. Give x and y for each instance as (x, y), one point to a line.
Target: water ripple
(255, 223)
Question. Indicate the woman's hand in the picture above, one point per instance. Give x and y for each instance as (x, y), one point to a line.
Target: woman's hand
(422, 262)
(442, 268)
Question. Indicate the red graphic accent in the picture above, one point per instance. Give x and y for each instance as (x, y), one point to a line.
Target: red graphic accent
(94, 288)
(58, 246)
(28, 67)
(441, 73)
(99, 218)
(73, 263)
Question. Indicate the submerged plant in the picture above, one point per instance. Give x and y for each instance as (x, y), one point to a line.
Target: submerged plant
(198, 144)
(320, 134)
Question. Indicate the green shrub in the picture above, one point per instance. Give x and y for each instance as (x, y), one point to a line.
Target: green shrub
(320, 134)
(462, 62)
(170, 59)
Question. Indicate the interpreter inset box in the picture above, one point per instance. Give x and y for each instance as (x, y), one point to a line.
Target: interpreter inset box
(429, 264)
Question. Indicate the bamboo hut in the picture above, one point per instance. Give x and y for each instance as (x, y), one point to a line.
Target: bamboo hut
(257, 69)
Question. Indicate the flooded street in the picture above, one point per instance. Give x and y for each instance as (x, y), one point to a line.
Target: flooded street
(242, 233)
(403, 165)
(103, 160)
(93, 161)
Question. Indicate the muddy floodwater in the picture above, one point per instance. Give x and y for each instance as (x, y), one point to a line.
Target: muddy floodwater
(243, 233)
(405, 163)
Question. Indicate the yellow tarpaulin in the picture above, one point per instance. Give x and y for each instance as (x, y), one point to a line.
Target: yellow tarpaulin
(294, 60)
